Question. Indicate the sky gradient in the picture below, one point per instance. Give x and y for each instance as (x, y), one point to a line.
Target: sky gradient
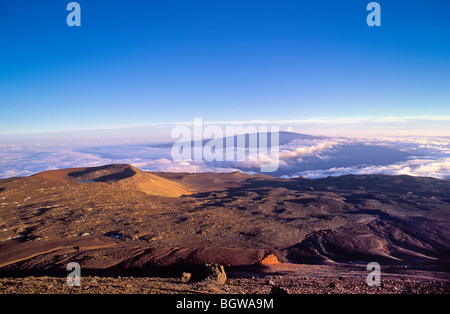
(146, 62)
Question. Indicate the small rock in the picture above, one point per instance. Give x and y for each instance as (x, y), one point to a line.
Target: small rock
(211, 273)
(333, 285)
(279, 290)
(270, 259)
(185, 277)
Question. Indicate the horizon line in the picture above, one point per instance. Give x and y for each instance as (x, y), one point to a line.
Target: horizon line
(318, 120)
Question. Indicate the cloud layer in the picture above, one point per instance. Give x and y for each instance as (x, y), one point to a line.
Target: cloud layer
(310, 158)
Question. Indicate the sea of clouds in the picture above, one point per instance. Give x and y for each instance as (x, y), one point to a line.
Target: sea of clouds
(309, 158)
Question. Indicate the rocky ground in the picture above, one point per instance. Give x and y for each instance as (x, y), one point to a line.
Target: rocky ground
(277, 284)
(107, 220)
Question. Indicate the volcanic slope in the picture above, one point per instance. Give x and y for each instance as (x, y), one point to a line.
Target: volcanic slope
(119, 218)
(121, 175)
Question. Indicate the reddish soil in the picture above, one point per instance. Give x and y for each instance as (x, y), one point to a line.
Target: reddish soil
(117, 220)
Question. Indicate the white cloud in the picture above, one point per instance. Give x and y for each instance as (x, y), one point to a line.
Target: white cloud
(429, 156)
(306, 148)
(438, 168)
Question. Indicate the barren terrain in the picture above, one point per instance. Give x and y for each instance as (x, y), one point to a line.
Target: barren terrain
(118, 221)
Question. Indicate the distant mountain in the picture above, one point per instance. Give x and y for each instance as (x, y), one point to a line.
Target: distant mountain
(284, 138)
(342, 154)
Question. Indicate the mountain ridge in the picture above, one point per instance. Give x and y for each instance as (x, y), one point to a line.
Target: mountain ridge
(285, 137)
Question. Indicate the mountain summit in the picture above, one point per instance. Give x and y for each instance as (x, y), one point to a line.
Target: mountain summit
(121, 175)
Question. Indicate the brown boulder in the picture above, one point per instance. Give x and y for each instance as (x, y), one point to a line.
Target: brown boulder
(210, 273)
(186, 277)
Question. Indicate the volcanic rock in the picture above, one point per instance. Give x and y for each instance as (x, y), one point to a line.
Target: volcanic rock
(270, 259)
(211, 273)
(185, 277)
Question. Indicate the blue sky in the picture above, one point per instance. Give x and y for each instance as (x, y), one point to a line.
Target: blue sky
(139, 62)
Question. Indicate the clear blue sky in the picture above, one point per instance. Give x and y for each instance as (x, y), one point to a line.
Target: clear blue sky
(137, 62)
